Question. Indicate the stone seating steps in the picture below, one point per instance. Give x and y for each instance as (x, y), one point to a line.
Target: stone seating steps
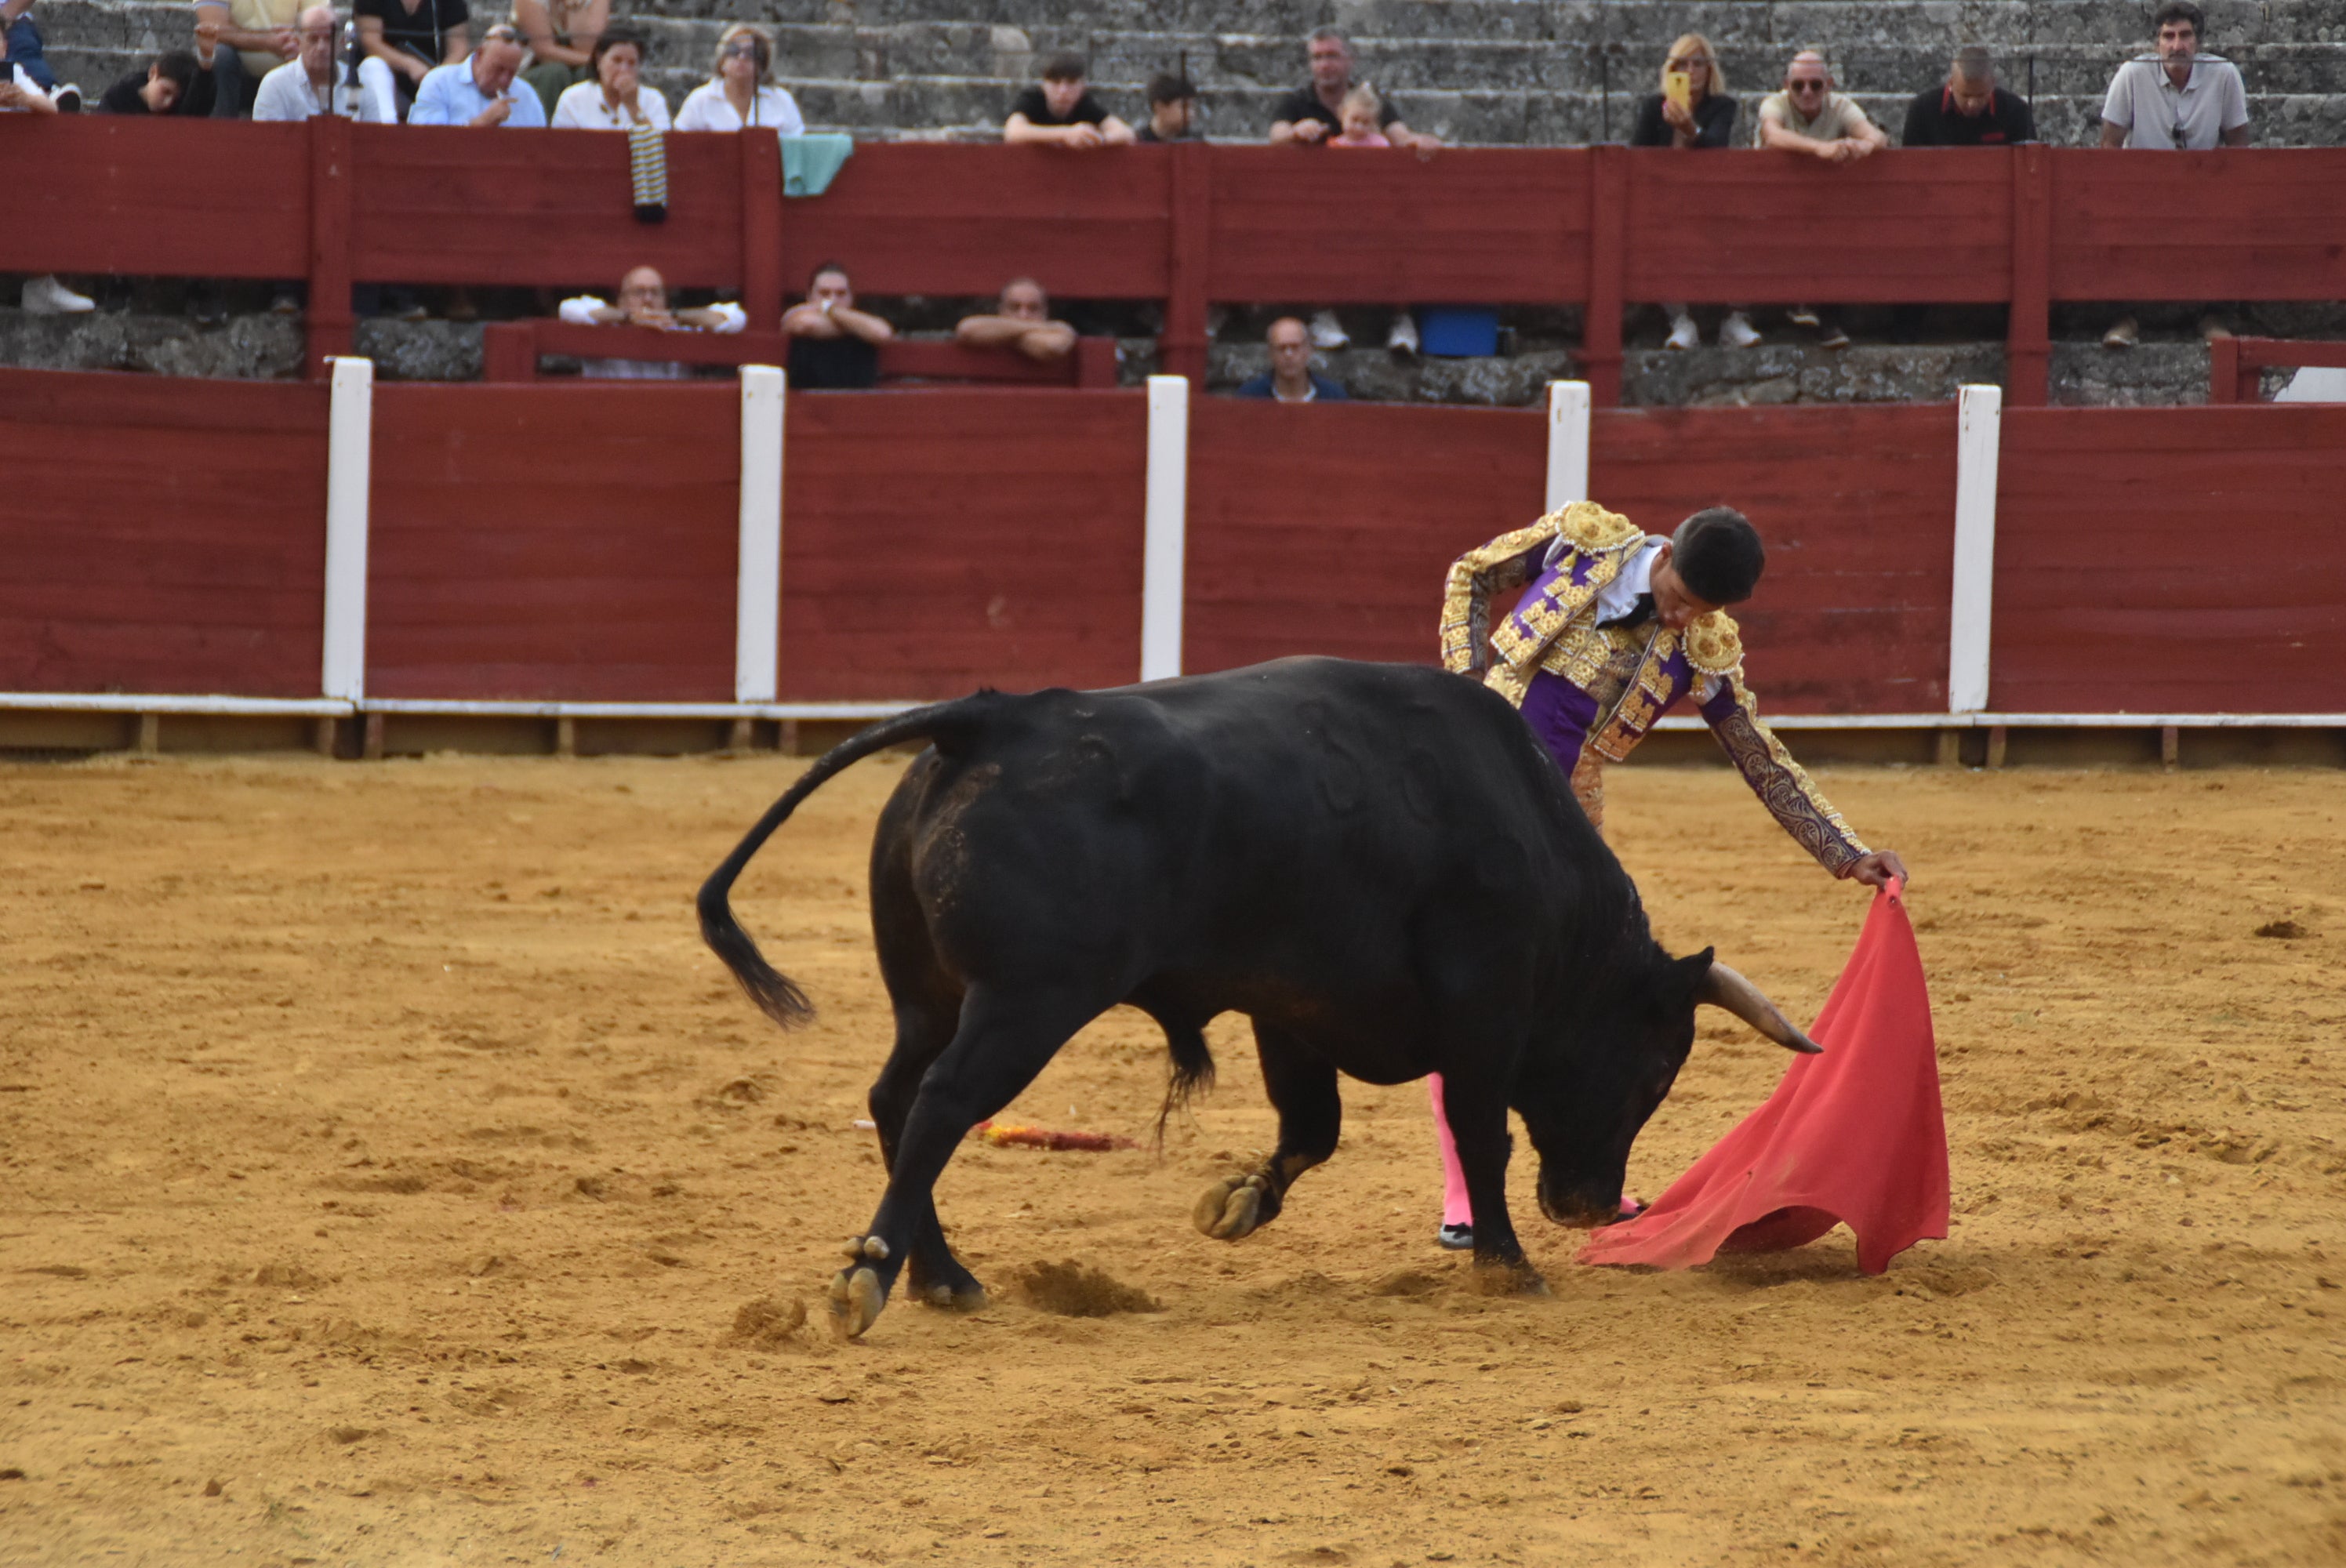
(1503, 72)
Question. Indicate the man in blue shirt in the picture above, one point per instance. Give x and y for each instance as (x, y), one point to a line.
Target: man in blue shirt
(1290, 377)
(479, 91)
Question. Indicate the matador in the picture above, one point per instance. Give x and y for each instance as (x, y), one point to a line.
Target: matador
(1615, 626)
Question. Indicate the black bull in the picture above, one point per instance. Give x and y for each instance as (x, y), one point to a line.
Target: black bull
(1376, 863)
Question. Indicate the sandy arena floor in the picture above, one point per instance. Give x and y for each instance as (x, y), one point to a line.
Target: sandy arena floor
(383, 1165)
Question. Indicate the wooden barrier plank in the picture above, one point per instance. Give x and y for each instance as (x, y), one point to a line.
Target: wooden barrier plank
(935, 541)
(909, 217)
(161, 535)
(1857, 508)
(1327, 527)
(548, 543)
(2255, 233)
(1501, 225)
(1931, 225)
(447, 205)
(2173, 560)
(161, 197)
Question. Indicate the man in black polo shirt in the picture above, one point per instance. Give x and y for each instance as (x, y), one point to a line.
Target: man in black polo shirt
(1311, 113)
(1063, 110)
(834, 347)
(1969, 109)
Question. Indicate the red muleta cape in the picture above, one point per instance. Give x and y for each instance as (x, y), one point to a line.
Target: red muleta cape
(1855, 1136)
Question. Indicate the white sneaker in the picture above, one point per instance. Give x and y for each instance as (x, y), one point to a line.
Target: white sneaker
(1802, 316)
(1402, 338)
(47, 297)
(1326, 333)
(1682, 332)
(1736, 333)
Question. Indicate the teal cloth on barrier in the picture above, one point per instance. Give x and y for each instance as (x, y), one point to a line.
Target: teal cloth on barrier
(810, 163)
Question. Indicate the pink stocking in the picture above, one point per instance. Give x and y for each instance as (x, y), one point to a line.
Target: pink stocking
(1455, 1208)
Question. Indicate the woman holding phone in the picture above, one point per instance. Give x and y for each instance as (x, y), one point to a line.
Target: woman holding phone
(1692, 110)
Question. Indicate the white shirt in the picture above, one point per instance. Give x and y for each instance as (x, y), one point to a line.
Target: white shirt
(706, 108)
(288, 94)
(580, 311)
(582, 107)
(2151, 108)
(1619, 597)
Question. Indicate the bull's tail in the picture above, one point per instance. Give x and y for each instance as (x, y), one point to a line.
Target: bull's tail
(1192, 1071)
(946, 725)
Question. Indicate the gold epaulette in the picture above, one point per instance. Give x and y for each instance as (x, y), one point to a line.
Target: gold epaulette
(1713, 645)
(1585, 526)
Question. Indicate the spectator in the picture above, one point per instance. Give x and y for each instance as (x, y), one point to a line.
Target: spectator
(562, 36)
(312, 85)
(2174, 100)
(1172, 111)
(1311, 113)
(1809, 116)
(643, 303)
(1020, 320)
(168, 82)
(1969, 109)
(401, 41)
(1692, 110)
(260, 36)
(739, 96)
(25, 48)
(616, 99)
(1357, 115)
(1290, 377)
(834, 347)
(1061, 109)
(480, 90)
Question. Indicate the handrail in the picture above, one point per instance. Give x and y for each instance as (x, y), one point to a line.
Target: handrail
(510, 351)
(2235, 366)
(1191, 226)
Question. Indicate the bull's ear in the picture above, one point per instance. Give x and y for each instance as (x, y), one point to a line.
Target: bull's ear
(1723, 987)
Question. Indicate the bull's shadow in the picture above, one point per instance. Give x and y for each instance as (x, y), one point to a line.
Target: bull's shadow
(1378, 864)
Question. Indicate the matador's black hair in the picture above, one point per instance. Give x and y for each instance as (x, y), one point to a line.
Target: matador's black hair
(1718, 554)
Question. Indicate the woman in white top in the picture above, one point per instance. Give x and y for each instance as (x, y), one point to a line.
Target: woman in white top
(740, 96)
(616, 99)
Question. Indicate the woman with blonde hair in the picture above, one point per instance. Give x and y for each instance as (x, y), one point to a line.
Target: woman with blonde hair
(739, 96)
(1692, 110)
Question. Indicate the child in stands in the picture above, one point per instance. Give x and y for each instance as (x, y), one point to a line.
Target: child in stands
(1358, 113)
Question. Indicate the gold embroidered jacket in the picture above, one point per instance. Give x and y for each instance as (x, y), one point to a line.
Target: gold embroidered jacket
(1609, 683)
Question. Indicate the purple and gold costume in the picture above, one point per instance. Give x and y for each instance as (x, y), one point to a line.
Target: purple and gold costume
(1591, 693)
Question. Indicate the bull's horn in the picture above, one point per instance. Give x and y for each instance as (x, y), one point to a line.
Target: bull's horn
(1723, 987)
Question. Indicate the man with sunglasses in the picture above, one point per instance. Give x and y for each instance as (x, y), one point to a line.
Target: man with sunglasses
(2174, 100)
(1808, 117)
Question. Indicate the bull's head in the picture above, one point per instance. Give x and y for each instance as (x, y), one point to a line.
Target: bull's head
(1586, 1106)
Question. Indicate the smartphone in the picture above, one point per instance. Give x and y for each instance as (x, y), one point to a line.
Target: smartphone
(1678, 88)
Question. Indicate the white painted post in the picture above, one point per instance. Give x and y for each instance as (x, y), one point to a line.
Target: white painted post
(1567, 444)
(1165, 538)
(350, 449)
(757, 604)
(1979, 425)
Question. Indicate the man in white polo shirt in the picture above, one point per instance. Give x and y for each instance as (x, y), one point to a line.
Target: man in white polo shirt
(2174, 101)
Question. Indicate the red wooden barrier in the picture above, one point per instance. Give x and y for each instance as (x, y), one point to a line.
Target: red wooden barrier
(160, 535)
(932, 541)
(1857, 506)
(554, 542)
(2170, 561)
(2255, 231)
(2235, 366)
(1327, 527)
(510, 351)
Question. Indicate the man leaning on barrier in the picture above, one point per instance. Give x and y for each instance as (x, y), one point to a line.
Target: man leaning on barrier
(643, 303)
(1968, 109)
(1809, 116)
(2174, 100)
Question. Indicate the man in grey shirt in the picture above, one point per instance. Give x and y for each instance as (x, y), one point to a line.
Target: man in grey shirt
(2174, 101)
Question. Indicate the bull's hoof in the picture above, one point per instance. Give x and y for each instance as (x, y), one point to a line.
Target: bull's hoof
(856, 1299)
(1499, 1279)
(971, 1297)
(1232, 1207)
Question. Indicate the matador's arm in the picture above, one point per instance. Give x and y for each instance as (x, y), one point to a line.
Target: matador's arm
(1783, 787)
(1506, 562)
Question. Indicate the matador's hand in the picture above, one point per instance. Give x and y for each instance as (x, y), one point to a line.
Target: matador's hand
(1876, 868)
